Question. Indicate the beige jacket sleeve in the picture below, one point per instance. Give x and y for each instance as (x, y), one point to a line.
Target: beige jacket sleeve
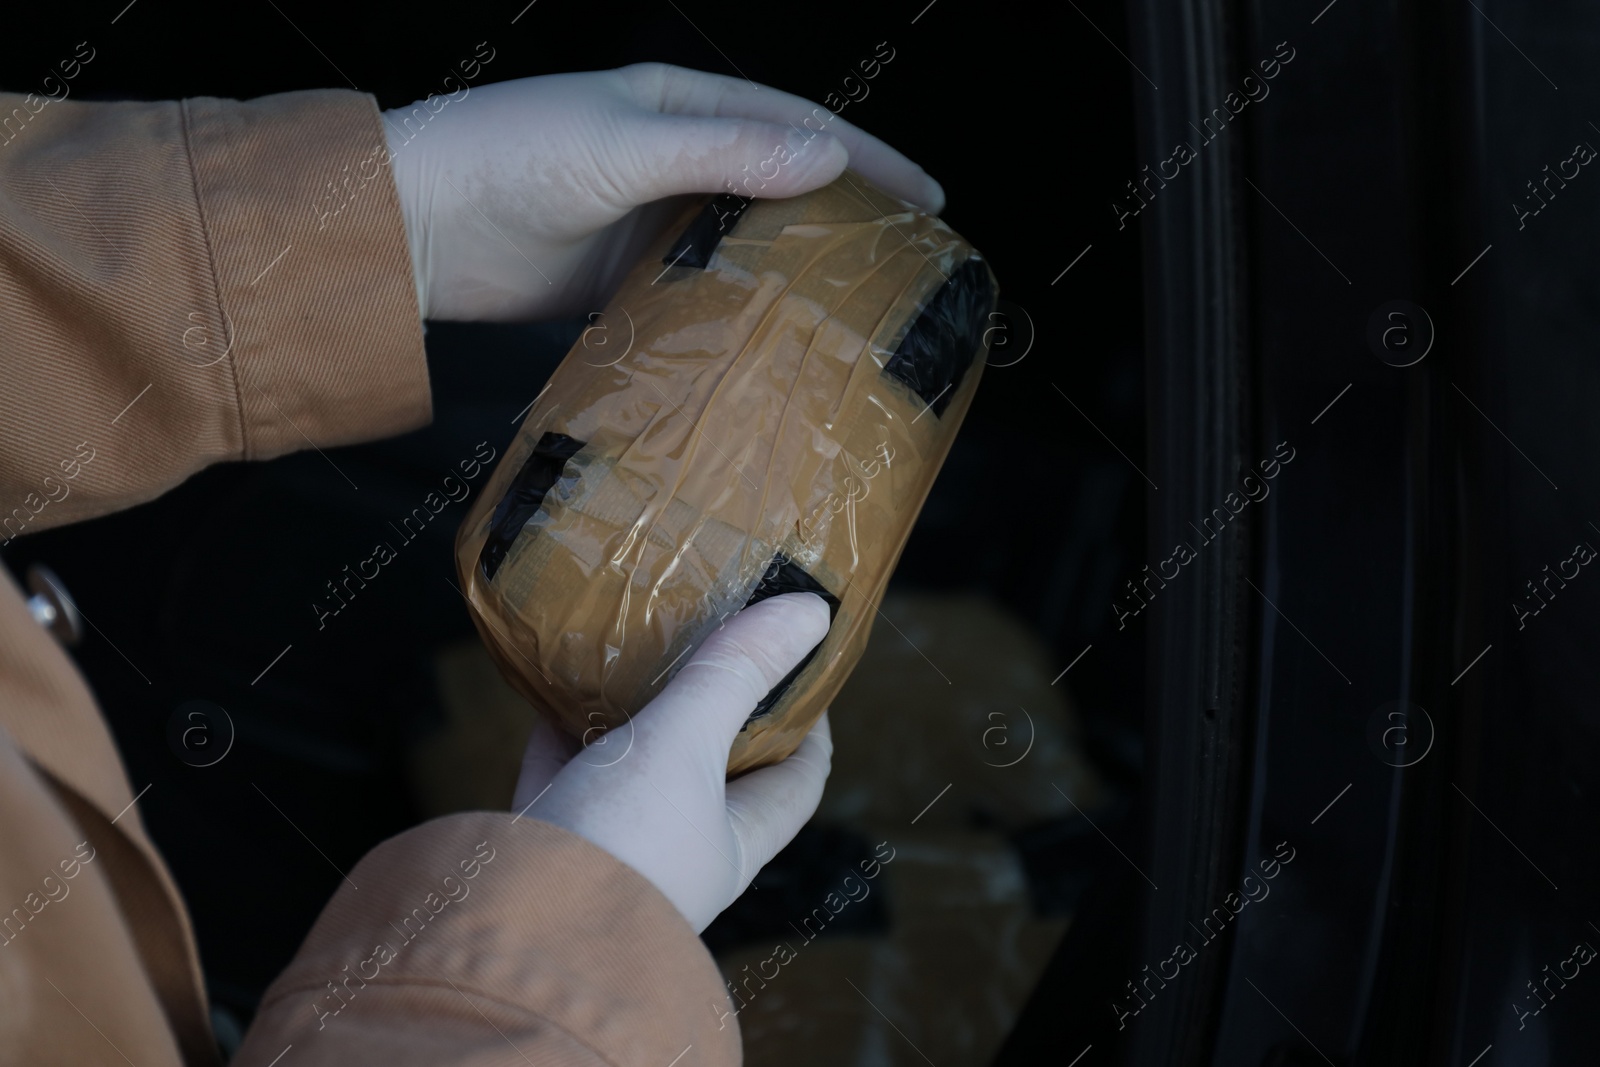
(183, 283)
(485, 939)
(175, 292)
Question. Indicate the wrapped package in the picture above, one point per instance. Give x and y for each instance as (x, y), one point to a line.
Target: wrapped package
(779, 383)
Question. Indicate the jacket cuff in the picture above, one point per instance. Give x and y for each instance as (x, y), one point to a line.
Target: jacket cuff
(312, 269)
(516, 913)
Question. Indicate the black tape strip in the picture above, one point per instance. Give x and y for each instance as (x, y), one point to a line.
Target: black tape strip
(539, 472)
(699, 239)
(785, 576)
(945, 338)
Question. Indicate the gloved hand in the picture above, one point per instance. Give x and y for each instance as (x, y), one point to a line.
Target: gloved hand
(653, 792)
(531, 198)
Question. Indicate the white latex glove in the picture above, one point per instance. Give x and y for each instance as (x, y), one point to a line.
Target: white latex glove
(530, 199)
(653, 793)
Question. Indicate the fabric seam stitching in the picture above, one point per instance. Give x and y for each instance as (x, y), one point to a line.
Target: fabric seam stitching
(216, 279)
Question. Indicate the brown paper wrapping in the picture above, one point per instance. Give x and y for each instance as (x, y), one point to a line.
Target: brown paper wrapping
(735, 410)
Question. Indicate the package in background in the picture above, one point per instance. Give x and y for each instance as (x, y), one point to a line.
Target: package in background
(779, 383)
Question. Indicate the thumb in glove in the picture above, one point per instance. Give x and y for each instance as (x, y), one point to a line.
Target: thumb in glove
(654, 793)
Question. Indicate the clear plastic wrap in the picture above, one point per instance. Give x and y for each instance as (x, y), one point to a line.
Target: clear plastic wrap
(792, 375)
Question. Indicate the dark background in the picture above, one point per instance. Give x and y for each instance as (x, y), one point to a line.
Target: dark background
(1023, 113)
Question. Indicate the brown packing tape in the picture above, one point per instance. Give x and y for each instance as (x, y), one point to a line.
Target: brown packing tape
(749, 415)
